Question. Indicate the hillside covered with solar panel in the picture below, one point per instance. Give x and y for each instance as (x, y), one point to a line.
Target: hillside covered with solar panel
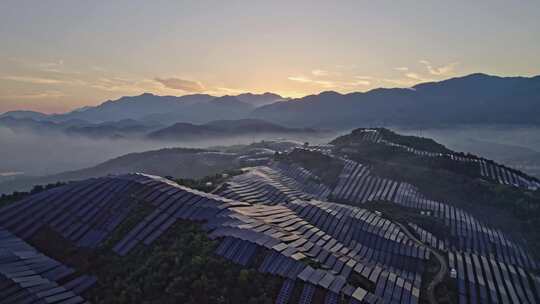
(370, 217)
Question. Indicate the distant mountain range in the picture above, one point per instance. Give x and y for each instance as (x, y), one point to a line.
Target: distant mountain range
(130, 128)
(223, 128)
(112, 129)
(197, 108)
(472, 99)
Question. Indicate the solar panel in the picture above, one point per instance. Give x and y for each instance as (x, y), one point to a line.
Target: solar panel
(285, 292)
(307, 294)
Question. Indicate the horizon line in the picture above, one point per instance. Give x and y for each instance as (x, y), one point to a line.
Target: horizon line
(287, 98)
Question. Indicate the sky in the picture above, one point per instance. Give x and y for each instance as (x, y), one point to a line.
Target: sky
(56, 56)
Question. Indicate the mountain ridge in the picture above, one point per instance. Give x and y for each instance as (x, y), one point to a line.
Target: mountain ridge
(222, 128)
(474, 98)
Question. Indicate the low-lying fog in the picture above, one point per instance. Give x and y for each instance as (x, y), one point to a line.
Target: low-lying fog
(37, 154)
(514, 146)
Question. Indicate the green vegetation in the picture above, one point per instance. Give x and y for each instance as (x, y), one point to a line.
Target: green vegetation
(207, 183)
(371, 153)
(325, 167)
(420, 143)
(515, 210)
(446, 292)
(311, 262)
(180, 267)
(136, 216)
(404, 215)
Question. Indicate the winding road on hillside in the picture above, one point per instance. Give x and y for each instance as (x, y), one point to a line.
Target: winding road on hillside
(443, 267)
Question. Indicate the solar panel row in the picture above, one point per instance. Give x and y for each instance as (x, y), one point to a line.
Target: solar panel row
(279, 263)
(285, 292)
(482, 279)
(427, 237)
(357, 185)
(507, 176)
(85, 213)
(467, 233)
(262, 185)
(27, 276)
(489, 169)
(302, 179)
(342, 239)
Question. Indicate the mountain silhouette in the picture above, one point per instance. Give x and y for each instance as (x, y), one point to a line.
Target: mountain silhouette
(476, 98)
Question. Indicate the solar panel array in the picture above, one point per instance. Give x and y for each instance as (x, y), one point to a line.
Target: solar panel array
(85, 212)
(506, 176)
(488, 169)
(357, 184)
(28, 276)
(306, 181)
(281, 214)
(483, 279)
(287, 234)
(340, 246)
(263, 185)
(467, 235)
(271, 185)
(379, 248)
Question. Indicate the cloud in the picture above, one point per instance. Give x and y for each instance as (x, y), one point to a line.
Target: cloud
(363, 77)
(98, 68)
(181, 84)
(346, 67)
(329, 84)
(220, 90)
(299, 79)
(55, 67)
(400, 82)
(123, 86)
(303, 79)
(319, 73)
(34, 80)
(118, 84)
(417, 77)
(402, 69)
(41, 95)
(439, 71)
(356, 83)
(41, 80)
(414, 76)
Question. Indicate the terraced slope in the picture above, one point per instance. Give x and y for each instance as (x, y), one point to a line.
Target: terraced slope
(337, 241)
(491, 266)
(485, 168)
(468, 236)
(27, 276)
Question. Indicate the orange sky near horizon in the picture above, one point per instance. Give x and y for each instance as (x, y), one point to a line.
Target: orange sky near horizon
(59, 55)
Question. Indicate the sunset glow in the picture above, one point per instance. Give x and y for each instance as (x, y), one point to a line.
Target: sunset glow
(94, 51)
